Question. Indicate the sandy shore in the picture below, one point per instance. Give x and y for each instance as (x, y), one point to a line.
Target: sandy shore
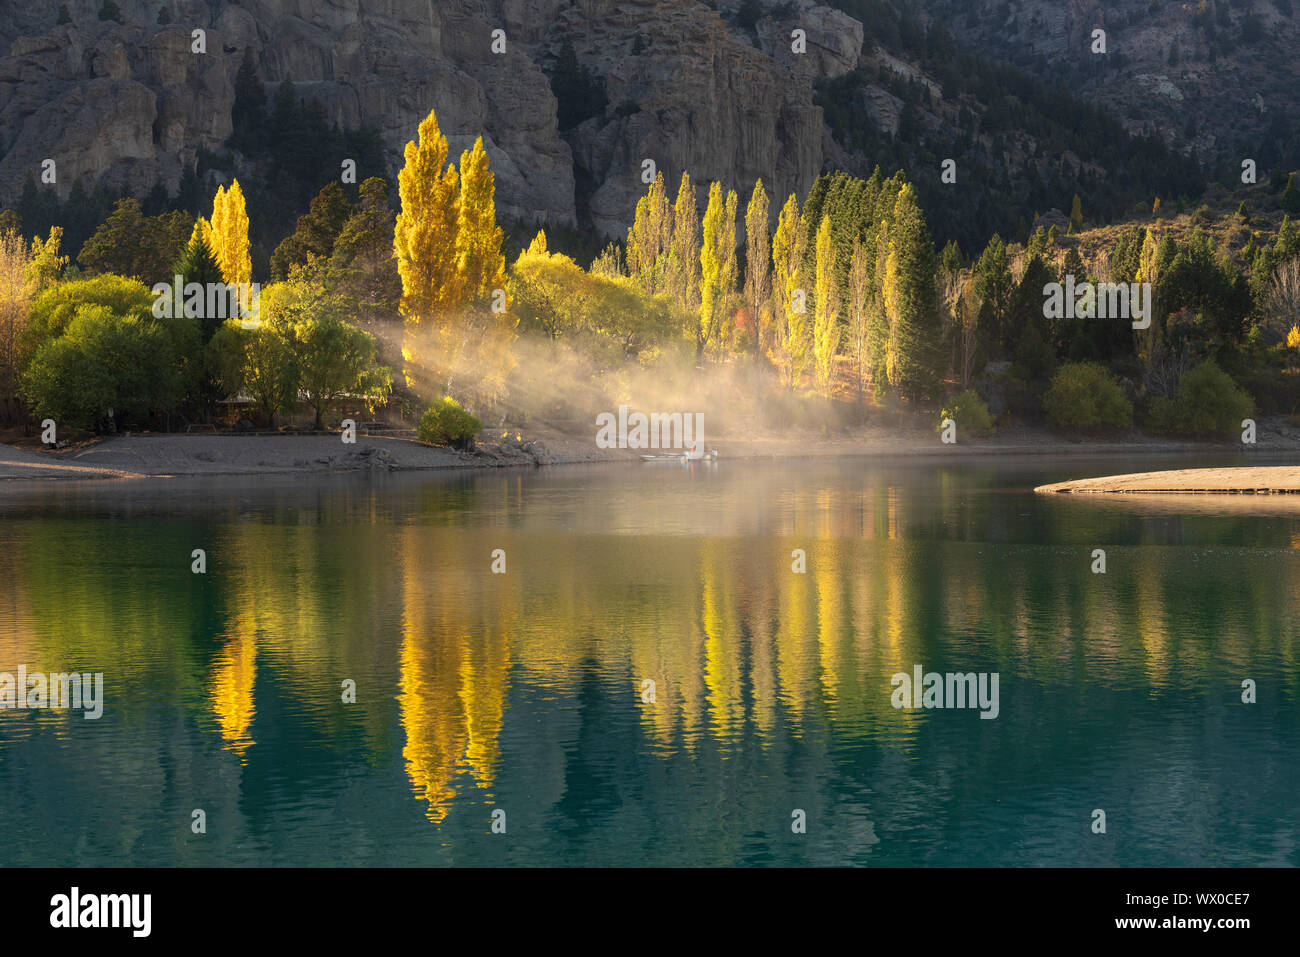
(163, 455)
(1249, 480)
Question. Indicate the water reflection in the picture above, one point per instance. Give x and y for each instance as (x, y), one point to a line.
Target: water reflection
(528, 689)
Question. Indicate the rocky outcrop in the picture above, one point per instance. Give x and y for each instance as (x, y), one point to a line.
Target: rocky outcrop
(130, 104)
(1211, 79)
(688, 94)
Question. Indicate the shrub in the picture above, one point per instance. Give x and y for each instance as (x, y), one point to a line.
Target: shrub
(1209, 402)
(1083, 395)
(968, 411)
(446, 423)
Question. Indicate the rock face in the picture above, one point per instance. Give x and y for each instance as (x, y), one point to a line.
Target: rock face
(130, 104)
(1212, 79)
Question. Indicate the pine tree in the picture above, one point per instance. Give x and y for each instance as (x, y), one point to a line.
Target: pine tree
(1291, 197)
(315, 233)
(248, 112)
(717, 267)
(363, 252)
(1076, 215)
(197, 264)
(758, 258)
(424, 236)
(826, 327)
(480, 267)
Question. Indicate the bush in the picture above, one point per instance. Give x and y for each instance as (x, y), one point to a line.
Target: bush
(968, 411)
(446, 423)
(1209, 402)
(1083, 395)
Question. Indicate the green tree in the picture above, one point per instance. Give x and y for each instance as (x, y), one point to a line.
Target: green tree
(1291, 197)
(131, 244)
(103, 358)
(334, 359)
(316, 231)
(911, 303)
(260, 361)
(197, 264)
(1083, 395)
(363, 254)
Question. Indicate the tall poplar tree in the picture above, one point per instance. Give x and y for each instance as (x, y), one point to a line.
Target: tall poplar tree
(227, 234)
(650, 238)
(424, 236)
(480, 266)
(717, 267)
(788, 244)
(758, 258)
(685, 254)
(826, 321)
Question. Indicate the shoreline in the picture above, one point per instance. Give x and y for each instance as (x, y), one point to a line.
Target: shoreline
(173, 455)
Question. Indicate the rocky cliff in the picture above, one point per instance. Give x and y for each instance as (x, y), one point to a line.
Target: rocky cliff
(128, 103)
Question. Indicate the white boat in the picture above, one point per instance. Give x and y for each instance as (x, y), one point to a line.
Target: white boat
(692, 454)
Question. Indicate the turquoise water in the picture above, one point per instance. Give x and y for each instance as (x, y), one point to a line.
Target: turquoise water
(525, 692)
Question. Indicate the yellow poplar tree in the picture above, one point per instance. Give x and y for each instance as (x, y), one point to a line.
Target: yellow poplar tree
(826, 327)
(684, 280)
(788, 244)
(717, 265)
(424, 236)
(758, 253)
(227, 234)
(650, 238)
(480, 267)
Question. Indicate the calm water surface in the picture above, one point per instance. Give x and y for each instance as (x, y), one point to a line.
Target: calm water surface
(523, 691)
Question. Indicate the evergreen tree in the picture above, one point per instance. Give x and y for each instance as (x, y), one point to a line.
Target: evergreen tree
(248, 113)
(315, 233)
(363, 253)
(913, 353)
(1291, 197)
(197, 264)
(130, 244)
(994, 285)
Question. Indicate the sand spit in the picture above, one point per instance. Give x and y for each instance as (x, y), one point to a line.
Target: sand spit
(1247, 480)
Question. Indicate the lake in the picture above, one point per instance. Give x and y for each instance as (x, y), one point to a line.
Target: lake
(645, 679)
